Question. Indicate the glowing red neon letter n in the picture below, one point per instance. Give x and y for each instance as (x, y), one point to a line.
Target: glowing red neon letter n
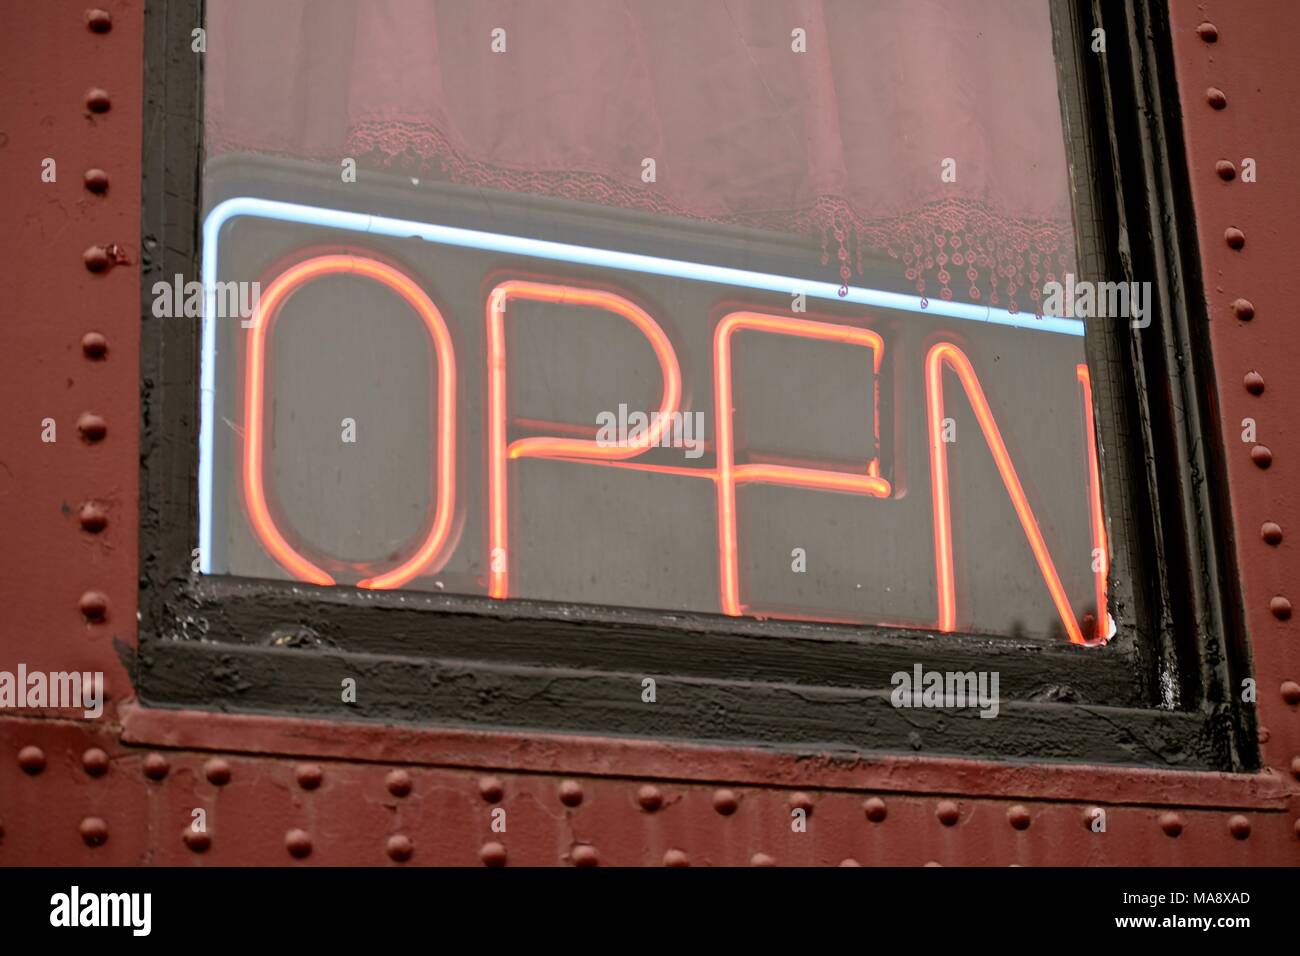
(945, 353)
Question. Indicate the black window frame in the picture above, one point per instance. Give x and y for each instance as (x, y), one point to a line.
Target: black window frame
(1161, 694)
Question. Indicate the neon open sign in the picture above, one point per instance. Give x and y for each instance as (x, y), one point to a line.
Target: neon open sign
(932, 454)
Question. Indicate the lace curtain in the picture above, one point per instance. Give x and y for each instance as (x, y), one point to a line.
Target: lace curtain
(844, 144)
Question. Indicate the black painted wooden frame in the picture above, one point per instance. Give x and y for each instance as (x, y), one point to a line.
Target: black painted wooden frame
(1161, 694)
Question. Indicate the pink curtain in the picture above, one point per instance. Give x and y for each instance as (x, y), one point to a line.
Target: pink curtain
(843, 143)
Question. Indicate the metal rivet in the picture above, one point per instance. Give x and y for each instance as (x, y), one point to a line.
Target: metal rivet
(94, 345)
(100, 259)
(93, 516)
(155, 766)
(1271, 532)
(492, 854)
(32, 760)
(1280, 607)
(585, 855)
(399, 847)
(1171, 823)
(96, 180)
(99, 21)
(1018, 817)
(96, 259)
(1239, 826)
(196, 840)
(217, 771)
(1214, 96)
(761, 859)
(398, 782)
(570, 793)
(1234, 237)
(676, 858)
(875, 809)
(94, 606)
(1254, 383)
(95, 762)
(1243, 309)
(1291, 692)
(1208, 32)
(801, 801)
(97, 100)
(1226, 170)
(1295, 767)
(849, 861)
(650, 798)
(298, 843)
(94, 831)
(947, 812)
(309, 776)
(92, 427)
(725, 802)
(1262, 734)
(1261, 455)
(491, 789)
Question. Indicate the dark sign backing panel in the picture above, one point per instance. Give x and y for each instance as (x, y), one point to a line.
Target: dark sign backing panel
(836, 407)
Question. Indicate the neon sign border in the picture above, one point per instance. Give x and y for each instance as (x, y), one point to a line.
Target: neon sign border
(323, 217)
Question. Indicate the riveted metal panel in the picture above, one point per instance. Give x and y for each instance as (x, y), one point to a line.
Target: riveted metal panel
(1239, 83)
(123, 789)
(69, 513)
(140, 808)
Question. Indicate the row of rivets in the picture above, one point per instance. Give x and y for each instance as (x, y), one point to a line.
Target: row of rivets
(400, 848)
(1262, 456)
(93, 429)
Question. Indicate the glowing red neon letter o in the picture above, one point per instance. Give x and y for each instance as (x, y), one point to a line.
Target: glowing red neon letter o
(268, 308)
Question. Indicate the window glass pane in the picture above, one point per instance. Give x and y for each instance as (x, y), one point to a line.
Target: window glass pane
(737, 309)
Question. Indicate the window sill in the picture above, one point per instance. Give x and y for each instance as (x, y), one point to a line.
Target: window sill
(622, 757)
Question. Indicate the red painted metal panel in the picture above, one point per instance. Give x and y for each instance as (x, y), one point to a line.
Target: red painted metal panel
(261, 809)
(1250, 64)
(50, 62)
(123, 789)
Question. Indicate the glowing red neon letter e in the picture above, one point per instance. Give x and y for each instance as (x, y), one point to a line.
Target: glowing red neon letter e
(444, 476)
(729, 474)
(947, 353)
(499, 453)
